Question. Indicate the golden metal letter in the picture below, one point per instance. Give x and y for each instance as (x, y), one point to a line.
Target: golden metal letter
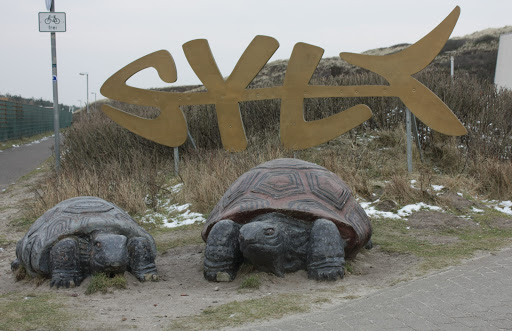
(397, 69)
(227, 94)
(295, 132)
(170, 127)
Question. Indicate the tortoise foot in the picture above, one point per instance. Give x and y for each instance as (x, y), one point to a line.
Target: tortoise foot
(219, 275)
(147, 273)
(15, 265)
(326, 273)
(153, 277)
(65, 279)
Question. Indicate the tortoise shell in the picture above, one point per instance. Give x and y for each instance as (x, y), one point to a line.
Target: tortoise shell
(80, 217)
(299, 189)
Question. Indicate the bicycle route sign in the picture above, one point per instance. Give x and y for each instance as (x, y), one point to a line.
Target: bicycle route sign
(52, 22)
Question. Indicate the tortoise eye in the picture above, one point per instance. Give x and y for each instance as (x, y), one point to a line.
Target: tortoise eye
(269, 231)
(98, 244)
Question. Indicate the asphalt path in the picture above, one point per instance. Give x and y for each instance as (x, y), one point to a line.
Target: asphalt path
(18, 161)
(476, 295)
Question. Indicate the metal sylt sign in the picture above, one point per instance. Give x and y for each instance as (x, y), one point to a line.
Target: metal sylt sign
(170, 127)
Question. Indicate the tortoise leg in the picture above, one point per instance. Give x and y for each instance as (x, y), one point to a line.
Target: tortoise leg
(15, 265)
(142, 264)
(326, 254)
(65, 263)
(222, 256)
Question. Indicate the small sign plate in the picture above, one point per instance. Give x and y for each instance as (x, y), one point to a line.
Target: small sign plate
(52, 22)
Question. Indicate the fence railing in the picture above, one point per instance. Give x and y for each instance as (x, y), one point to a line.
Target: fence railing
(18, 120)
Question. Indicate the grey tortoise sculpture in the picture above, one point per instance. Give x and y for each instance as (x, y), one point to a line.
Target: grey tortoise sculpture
(83, 236)
(282, 216)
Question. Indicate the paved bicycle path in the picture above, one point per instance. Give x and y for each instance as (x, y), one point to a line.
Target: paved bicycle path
(18, 161)
(473, 296)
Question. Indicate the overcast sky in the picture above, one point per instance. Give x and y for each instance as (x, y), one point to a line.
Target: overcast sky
(104, 35)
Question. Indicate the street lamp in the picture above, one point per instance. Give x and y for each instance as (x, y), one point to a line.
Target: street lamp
(87, 81)
(94, 100)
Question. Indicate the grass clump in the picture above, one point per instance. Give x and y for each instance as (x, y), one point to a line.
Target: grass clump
(240, 312)
(3, 241)
(100, 282)
(251, 282)
(31, 312)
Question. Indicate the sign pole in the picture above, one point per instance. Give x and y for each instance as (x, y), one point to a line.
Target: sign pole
(56, 124)
(409, 139)
(176, 162)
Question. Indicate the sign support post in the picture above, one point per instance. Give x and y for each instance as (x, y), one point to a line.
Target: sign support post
(54, 22)
(409, 139)
(56, 123)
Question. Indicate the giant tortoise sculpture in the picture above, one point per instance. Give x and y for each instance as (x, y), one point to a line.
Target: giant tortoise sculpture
(82, 236)
(282, 216)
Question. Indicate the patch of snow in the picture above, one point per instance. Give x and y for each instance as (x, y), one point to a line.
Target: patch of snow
(413, 181)
(460, 194)
(437, 188)
(176, 188)
(476, 210)
(173, 215)
(403, 212)
(504, 207)
(409, 209)
(372, 212)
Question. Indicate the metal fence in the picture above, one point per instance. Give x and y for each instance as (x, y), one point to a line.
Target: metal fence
(18, 120)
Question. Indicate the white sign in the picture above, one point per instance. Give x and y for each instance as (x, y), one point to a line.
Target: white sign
(52, 22)
(503, 76)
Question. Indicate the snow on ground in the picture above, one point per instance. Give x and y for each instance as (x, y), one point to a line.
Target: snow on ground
(405, 211)
(172, 215)
(502, 206)
(476, 210)
(34, 142)
(409, 209)
(370, 209)
(437, 188)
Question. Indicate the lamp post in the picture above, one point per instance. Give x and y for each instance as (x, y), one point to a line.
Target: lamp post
(87, 82)
(94, 100)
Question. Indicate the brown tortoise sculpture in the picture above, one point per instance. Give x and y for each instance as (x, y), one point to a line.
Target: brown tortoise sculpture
(285, 215)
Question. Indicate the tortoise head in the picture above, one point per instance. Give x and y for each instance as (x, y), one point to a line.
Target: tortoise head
(262, 242)
(109, 253)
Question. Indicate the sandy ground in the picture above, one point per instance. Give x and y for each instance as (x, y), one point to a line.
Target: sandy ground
(182, 290)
